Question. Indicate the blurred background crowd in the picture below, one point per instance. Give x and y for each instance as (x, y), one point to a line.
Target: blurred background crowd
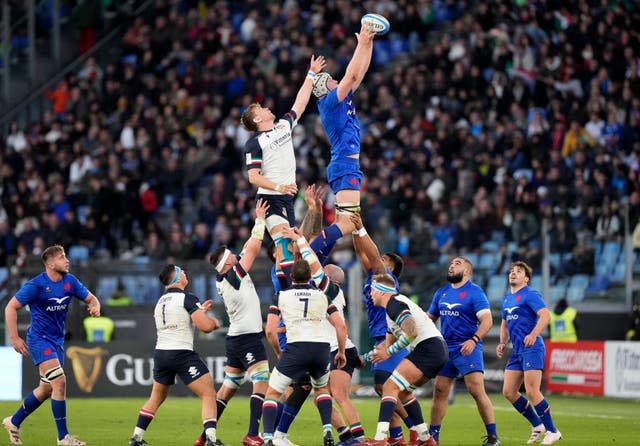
(481, 121)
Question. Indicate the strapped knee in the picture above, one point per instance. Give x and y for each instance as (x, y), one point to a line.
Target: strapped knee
(400, 381)
(348, 207)
(260, 374)
(234, 380)
(51, 374)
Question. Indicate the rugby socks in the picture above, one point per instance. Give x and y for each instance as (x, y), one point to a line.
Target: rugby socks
(325, 241)
(356, 430)
(145, 418)
(269, 413)
(543, 410)
(29, 404)
(288, 415)
(209, 426)
(491, 429)
(344, 434)
(255, 413)
(59, 409)
(408, 422)
(395, 432)
(523, 406)
(221, 405)
(414, 412)
(387, 408)
(434, 431)
(280, 411)
(324, 401)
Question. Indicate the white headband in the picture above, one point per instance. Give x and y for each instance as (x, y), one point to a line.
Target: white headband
(223, 260)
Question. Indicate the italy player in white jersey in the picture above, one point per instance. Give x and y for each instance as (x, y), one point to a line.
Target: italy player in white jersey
(465, 318)
(304, 308)
(176, 313)
(271, 160)
(411, 328)
(524, 316)
(48, 296)
(246, 355)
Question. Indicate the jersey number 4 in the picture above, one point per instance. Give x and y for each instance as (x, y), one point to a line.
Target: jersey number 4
(306, 305)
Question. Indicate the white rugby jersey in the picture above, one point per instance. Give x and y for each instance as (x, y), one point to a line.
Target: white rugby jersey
(272, 152)
(340, 302)
(240, 300)
(304, 310)
(398, 308)
(173, 320)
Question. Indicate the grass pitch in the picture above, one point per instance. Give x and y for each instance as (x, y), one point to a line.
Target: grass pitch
(109, 422)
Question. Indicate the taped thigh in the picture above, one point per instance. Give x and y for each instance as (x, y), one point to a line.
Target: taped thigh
(234, 380)
(260, 373)
(322, 381)
(279, 381)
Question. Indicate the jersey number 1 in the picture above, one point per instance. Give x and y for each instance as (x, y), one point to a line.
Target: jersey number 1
(306, 305)
(164, 321)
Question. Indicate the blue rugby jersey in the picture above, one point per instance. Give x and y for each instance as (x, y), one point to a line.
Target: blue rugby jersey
(459, 310)
(520, 310)
(340, 124)
(49, 303)
(376, 316)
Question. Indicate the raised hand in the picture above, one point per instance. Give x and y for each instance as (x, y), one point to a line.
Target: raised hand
(317, 64)
(365, 35)
(261, 208)
(356, 220)
(292, 234)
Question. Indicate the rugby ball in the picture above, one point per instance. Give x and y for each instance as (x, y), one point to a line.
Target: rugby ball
(376, 22)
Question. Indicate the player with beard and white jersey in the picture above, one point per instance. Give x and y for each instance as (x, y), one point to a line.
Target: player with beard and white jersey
(176, 312)
(411, 328)
(246, 355)
(271, 160)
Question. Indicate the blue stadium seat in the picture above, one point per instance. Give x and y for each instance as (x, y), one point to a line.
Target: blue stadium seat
(555, 260)
(496, 288)
(618, 274)
(612, 249)
(604, 269)
(575, 294)
(491, 246)
(598, 283)
(488, 262)
(78, 253)
(106, 286)
(473, 257)
(536, 282)
(556, 293)
(579, 281)
(4, 274)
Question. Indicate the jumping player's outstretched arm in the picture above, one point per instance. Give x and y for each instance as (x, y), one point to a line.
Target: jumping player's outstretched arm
(312, 223)
(359, 63)
(251, 248)
(302, 98)
(365, 248)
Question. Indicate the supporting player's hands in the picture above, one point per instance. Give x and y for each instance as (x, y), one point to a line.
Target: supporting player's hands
(340, 359)
(313, 198)
(529, 340)
(467, 347)
(20, 346)
(206, 305)
(379, 353)
(317, 64)
(292, 234)
(287, 189)
(500, 349)
(261, 208)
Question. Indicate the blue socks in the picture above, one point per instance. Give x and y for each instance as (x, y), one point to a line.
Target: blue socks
(59, 409)
(395, 431)
(288, 415)
(491, 429)
(325, 241)
(523, 406)
(542, 408)
(29, 404)
(434, 431)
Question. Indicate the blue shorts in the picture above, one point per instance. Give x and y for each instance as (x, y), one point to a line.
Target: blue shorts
(298, 358)
(383, 370)
(429, 356)
(280, 205)
(244, 351)
(460, 365)
(184, 363)
(344, 174)
(527, 359)
(42, 350)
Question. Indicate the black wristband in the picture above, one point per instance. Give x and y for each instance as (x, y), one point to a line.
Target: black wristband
(475, 338)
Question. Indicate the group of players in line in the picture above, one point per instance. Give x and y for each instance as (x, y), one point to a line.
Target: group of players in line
(306, 325)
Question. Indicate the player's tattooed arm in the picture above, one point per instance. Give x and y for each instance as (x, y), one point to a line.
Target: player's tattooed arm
(312, 222)
(409, 327)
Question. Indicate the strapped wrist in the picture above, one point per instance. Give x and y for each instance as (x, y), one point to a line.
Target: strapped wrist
(360, 232)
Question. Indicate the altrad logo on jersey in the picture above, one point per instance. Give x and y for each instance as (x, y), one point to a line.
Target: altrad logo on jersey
(510, 310)
(60, 303)
(450, 309)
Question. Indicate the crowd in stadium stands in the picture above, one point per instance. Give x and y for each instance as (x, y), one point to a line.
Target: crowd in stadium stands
(480, 120)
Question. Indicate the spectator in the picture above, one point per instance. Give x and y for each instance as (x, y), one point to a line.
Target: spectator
(563, 324)
(119, 298)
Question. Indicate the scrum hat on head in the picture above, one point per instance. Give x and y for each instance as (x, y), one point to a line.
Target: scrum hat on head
(320, 84)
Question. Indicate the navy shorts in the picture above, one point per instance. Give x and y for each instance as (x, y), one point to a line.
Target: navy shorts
(42, 350)
(352, 360)
(184, 363)
(298, 358)
(344, 174)
(244, 351)
(527, 359)
(281, 206)
(429, 356)
(460, 365)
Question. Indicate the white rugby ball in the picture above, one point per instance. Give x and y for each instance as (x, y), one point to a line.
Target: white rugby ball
(376, 22)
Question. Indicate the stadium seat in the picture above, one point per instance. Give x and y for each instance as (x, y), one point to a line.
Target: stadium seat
(490, 246)
(488, 262)
(473, 257)
(106, 286)
(604, 269)
(4, 274)
(496, 288)
(556, 293)
(598, 283)
(536, 282)
(618, 274)
(555, 260)
(575, 294)
(78, 253)
(611, 249)
(579, 281)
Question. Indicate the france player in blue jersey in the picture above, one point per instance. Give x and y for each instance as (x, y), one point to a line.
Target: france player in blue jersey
(465, 318)
(49, 297)
(392, 264)
(338, 117)
(524, 316)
